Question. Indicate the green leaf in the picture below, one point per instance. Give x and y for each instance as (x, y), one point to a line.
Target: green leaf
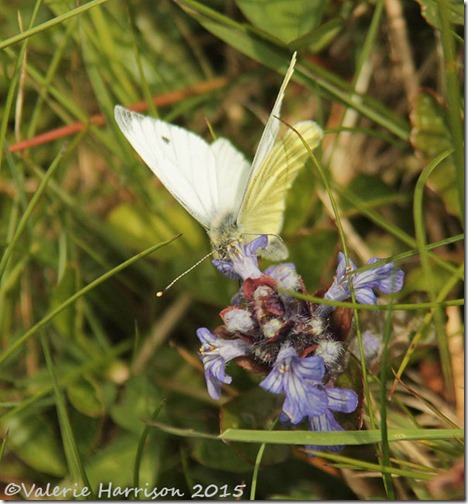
(317, 39)
(141, 228)
(430, 12)
(267, 50)
(318, 438)
(430, 136)
(284, 19)
(87, 396)
(35, 442)
(114, 464)
(371, 189)
(139, 400)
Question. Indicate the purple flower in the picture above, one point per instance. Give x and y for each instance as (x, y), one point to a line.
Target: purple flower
(296, 377)
(243, 260)
(215, 354)
(300, 379)
(291, 340)
(341, 400)
(384, 278)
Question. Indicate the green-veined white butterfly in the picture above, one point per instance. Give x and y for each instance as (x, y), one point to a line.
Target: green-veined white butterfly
(231, 198)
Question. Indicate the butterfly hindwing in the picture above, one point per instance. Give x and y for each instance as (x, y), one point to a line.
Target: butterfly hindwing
(263, 206)
(273, 124)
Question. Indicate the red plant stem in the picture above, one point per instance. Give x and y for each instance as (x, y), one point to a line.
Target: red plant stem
(99, 119)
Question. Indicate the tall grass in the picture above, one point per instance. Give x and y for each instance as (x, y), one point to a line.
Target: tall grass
(101, 382)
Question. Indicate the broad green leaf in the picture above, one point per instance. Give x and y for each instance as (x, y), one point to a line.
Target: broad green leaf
(36, 443)
(430, 137)
(87, 396)
(430, 12)
(87, 432)
(112, 466)
(136, 224)
(138, 401)
(371, 189)
(317, 39)
(284, 19)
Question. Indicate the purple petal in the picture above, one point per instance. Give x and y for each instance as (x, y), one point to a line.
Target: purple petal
(342, 400)
(341, 267)
(365, 295)
(325, 423)
(384, 278)
(304, 401)
(225, 268)
(215, 374)
(206, 337)
(215, 354)
(273, 382)
(298, 378)
(251, 248)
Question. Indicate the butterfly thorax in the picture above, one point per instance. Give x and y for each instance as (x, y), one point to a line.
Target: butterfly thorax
(223, 232)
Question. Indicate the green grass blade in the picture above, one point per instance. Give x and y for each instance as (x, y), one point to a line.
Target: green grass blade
(85, 290)
(51, 23)
(418, 213)
(29, 210)
(75, 464)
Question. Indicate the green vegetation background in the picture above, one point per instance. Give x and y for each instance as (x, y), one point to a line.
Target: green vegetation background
(89, 355)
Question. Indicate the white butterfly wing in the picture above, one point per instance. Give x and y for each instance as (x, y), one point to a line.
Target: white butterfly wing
(232, 175)
(204, 178)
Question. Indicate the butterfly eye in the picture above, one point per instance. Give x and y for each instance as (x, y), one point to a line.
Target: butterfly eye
(166, 140)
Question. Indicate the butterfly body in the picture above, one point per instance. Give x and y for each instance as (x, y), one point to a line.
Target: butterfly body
(223, 231)
(232, 199)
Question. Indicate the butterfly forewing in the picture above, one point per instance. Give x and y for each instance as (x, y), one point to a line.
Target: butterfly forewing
(204, 178)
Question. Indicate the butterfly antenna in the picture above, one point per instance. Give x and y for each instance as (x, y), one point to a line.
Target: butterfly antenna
(162, 292)
(266, 234)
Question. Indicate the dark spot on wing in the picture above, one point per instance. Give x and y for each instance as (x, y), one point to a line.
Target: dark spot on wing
(166, 140)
